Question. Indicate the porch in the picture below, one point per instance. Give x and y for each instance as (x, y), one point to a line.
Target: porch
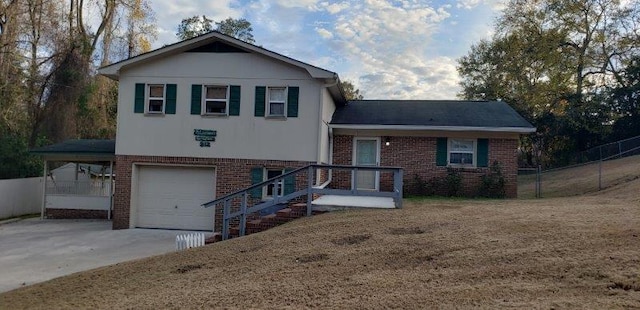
(78, 181)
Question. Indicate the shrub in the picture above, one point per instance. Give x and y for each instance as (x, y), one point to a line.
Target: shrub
(452, 182)
(492, 184)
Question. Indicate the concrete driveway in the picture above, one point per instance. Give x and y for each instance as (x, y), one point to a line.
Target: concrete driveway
(35, 250)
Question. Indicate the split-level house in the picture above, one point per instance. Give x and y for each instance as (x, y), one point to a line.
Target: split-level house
(211, 115)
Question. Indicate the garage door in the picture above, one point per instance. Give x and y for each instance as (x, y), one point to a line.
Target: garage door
(171, 198)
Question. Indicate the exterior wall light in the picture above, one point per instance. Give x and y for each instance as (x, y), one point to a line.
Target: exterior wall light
(387, 141)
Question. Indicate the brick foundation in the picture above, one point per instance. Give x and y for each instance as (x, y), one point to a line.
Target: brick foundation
(231, 175)
(417, 156)
(75, 214)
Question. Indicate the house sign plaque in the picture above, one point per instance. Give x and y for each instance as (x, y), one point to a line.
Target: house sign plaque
(205, 136)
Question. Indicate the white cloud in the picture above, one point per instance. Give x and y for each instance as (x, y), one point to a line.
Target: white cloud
(389, 50)
(470, 4)
(334, 8)
(307, 4)
(324, 33)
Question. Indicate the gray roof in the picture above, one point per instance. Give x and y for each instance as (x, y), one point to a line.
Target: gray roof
(79, 147)
(430, 113)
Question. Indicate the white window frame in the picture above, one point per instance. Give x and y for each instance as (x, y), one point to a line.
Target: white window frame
(265, 189)
(205, 100)
(474, 152)
(148, 98)
(284, 103)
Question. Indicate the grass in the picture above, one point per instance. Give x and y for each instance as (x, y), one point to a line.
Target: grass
(579, 252)
(581, 180)
(568, 252)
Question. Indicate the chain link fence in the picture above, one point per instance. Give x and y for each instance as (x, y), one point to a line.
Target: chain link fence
(596, 169)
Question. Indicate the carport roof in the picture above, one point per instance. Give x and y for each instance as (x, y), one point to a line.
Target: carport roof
(79, 149)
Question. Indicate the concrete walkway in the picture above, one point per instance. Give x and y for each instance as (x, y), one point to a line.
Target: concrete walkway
(35, 250)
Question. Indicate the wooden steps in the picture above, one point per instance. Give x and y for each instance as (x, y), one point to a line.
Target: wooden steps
(294, 211)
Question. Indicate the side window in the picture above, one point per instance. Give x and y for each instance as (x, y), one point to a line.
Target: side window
(276, 101)
(461, 152)
(215, 100)
(155, 103)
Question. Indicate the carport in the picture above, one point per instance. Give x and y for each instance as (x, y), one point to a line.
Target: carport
(75, 198)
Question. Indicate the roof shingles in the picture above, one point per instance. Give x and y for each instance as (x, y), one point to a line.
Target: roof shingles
(430, 113)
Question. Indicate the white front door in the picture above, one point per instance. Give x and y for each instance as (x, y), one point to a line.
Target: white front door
(366, 153)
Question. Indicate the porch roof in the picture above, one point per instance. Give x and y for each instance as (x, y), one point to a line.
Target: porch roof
(88, 150)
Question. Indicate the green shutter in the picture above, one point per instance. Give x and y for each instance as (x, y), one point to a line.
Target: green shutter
(483, 153)
(441, 152)
(234, 100)
(256, 177)
(196, 99)
(292, 101)
(261, 92)
(289, 182)
(138, 103)
(171, 99)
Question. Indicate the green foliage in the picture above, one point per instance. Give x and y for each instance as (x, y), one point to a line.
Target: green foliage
(453, 182)
(492, 184)
(553, 61)
(15, 160)
(198, 25)
(238, 28)
(350, 91)
(194, 26)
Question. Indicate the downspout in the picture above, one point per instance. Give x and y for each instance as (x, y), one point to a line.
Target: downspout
(329, 131)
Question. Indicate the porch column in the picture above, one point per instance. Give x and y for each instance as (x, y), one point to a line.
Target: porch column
(44, 191)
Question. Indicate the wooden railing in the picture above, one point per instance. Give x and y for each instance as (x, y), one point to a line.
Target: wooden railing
(308, 190)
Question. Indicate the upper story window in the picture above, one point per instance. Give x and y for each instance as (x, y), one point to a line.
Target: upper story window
(461, 152)
(277, 101)
(215, 100)
(155, 98)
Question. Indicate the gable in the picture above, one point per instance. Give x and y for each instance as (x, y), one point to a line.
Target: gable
(216, 47)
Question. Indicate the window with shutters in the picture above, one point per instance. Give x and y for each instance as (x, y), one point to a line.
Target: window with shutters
(215, 100)
(276, 101)
(462, 152)
(155, 99)
(269, 190)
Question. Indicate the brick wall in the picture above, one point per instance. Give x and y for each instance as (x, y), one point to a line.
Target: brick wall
(75, 214)
(231, 175)
(417, 156)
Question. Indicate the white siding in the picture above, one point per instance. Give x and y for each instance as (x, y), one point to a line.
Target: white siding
(328, 107)
(244, 136)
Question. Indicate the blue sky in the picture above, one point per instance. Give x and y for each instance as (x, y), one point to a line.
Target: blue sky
(390, 49)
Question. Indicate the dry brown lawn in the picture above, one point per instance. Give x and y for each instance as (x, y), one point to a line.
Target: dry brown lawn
(581, 179)
(579, 252)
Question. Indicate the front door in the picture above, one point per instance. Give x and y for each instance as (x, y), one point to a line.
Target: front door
(367, 151)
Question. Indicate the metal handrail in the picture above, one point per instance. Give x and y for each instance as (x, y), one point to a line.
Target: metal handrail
(309, 190)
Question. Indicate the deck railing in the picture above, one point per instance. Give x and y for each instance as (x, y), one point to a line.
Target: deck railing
(239, 204)
(78, 188)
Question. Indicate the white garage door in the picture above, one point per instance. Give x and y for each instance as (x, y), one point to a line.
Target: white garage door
(171, 198)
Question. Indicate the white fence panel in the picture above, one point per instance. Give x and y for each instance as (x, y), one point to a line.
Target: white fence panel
(20, 196)
(187, 241)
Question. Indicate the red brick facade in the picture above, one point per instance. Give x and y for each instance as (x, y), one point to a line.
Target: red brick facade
(417, 156)
(231, 175)
(75, 214)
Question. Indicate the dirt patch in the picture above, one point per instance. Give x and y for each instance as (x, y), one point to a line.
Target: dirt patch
(188, 268)
(312, 258)
(351, 240)
(406, 231)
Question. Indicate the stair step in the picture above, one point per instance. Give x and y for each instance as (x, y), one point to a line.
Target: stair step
(298, 207)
